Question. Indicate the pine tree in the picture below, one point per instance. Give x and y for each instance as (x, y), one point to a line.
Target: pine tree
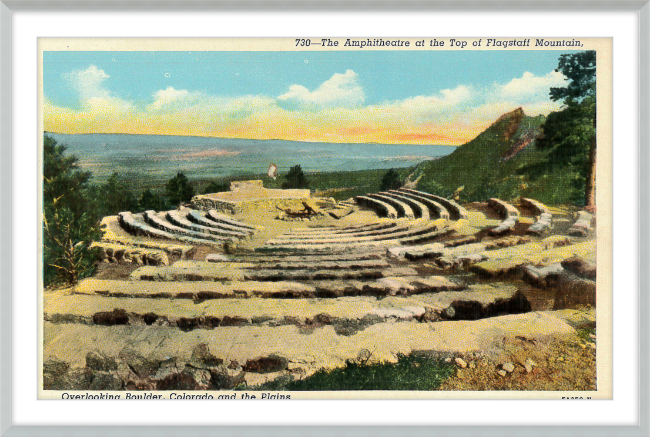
(69, 225)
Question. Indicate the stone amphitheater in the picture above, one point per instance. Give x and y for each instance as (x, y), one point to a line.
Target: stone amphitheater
(241, 288)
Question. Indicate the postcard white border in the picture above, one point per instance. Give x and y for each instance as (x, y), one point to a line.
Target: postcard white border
(623, 26)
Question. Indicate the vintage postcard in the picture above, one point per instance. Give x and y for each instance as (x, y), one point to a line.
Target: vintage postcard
(299, 218)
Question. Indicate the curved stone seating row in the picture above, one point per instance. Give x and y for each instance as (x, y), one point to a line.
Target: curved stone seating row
(217, 217)
(153, 220)
(352, 228)
(118, 253)
(380, 207)
(420, 210)
(582, 226)
(171, 248)
(135, 227)
(544, 220)
(176, 218)
(432, 205)
(402, 208)
(420, 236)
(196, 217)
(536, 205)
(401, 233)
(456, 211)
(508, 212)
(198, 271)
(342, 231)
(337, 236)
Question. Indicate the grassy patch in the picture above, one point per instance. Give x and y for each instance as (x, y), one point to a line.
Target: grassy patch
(409, 373)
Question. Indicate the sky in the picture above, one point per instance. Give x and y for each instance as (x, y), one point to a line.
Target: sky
(393, 97)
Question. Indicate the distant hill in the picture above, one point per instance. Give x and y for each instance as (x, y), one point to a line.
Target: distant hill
(501, 162)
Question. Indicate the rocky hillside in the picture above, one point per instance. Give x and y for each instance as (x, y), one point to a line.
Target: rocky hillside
(499, 163)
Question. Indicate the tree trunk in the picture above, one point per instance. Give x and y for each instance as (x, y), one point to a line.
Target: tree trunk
(590, 186)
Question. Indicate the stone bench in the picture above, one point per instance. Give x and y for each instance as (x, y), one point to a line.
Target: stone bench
(411, 232)
(419, 209)
(435, 208)
(152, 219)
(306, 232)
(177, 219)
(456, 211)
(196, 217)
(503, 208)
(135, 227)
(380, 207)
(582, 226)
(402, 208)
(117, 253)
(222, 219)
(536, 205)
(371, 233)
(509, 213)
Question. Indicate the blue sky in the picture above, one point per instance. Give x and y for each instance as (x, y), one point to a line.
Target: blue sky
(126, 84)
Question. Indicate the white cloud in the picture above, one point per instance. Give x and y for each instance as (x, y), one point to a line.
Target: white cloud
(341, 90)
(89, 83)
(530, 87)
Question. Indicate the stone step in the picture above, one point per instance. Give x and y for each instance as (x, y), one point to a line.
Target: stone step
(476, 302)
(118, 253)
(335, 247)
(504, 209)
(543, 224)
(456, 211)
(290, 237)
(308, 258)
(176, 218)
(206, 271)
(323, 265)
(196, 217)
(221, 218)
(138, 228)
(435, 208)
(402, 208)
(464, 255)
(344, 229)
(83, 357)
(504, 261)
(419, 209)
(180, 250)
(396, 233)
(536, 205)
(582, 226)
(401, 281)
(152, 219)
(382, 208)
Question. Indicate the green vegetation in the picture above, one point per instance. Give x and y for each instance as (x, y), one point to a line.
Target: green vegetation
(178, 189)
(295, 178)
(411, 372)
(391, 181)
(150, 200)
(112, 197)
(571, 133)
(216, 186)
(552, 160)
(69, 226)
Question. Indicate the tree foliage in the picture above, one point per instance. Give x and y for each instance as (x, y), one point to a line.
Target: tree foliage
(69, 225)
(571, 132)
(178, 189)
(216, 186)
(149, 200)
(114, 196)
(295, 178)
(391, 180)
